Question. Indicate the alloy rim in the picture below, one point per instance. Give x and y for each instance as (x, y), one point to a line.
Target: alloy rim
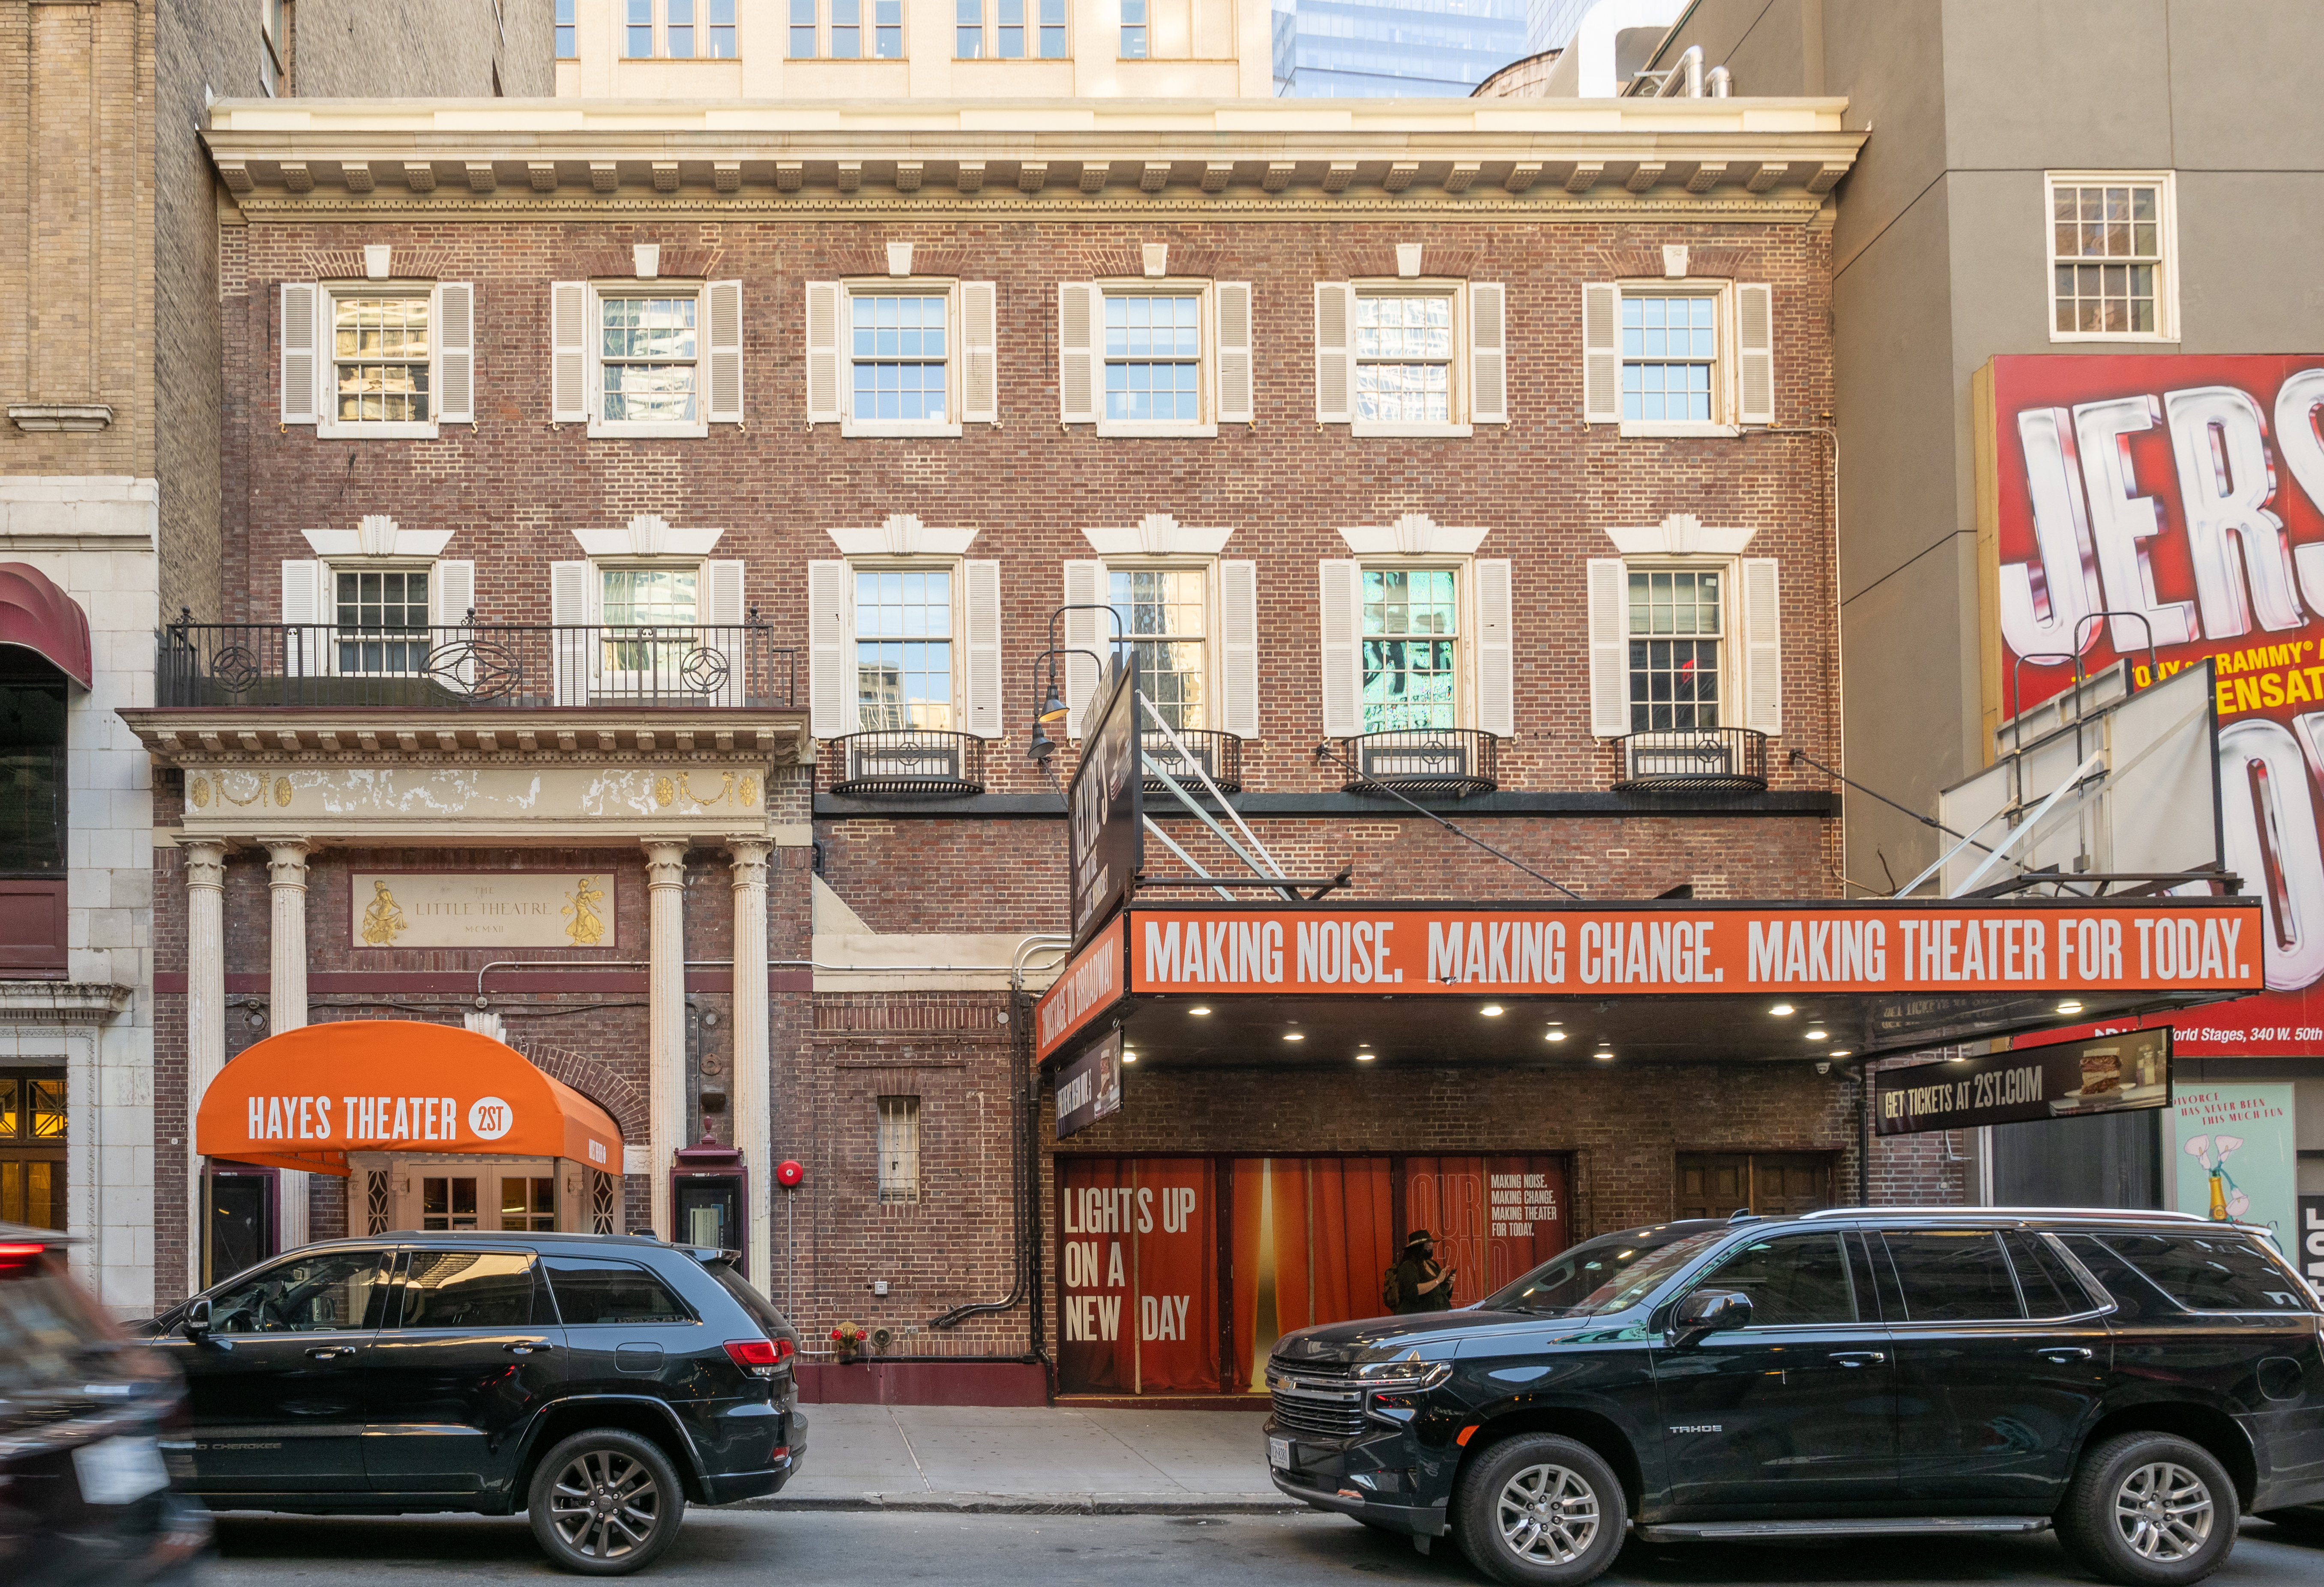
(605, 1504)
(1548, 1514)
(2164, 1511)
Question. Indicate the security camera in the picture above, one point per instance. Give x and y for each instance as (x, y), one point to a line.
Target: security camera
(1824, 1069)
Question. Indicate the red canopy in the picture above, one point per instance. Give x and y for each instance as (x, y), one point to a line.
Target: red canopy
(40, 617)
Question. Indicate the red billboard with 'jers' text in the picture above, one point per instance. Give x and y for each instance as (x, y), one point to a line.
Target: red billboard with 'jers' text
(2164, 509)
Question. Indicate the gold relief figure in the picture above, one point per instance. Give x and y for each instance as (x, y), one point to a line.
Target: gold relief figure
(725, 787)
(587, 927)
(749, 792)
(199, 791)
(382, 920)
(282, 792)
(257, 791)
(663, 791)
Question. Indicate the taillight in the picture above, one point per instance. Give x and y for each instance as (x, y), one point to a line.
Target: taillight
(17, 1256)
(762, 1358)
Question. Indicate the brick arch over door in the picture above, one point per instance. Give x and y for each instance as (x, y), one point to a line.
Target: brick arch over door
(595, 1080)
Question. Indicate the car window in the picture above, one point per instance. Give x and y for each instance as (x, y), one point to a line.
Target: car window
(1793, 1280)
(48, 1325)
(590, 1290)
(2210, 1272)
(1565, 1279)
(1642, 1277)
(466, 1290)
(760, 1310)
(325, 1292)
(2049, 1288)
(2135, 1296)
(1953, 1276)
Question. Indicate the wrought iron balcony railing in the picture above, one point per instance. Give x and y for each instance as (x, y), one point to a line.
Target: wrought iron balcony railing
(1700, 759)
(915, 763)
(1219, 754)
(479, 664)
(1445, 761)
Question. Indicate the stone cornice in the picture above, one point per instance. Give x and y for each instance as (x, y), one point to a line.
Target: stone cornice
(1765, 160)
(62, 1003)
(191, 737)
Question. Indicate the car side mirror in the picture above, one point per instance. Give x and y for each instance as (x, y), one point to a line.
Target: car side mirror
(197, 1326)
(1709, 1311)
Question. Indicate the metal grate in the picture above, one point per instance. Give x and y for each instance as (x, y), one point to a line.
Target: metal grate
(1219, 754)
(1732, 758)
(1450, 761)
(375, 1202)
(899, 1148)
(1306, 1401)
(601, 1203)
(917, 763)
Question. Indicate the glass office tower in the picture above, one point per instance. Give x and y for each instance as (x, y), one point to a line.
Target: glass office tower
(1348, 48)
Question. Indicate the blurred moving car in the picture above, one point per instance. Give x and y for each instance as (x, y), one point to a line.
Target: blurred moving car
(86, 1415)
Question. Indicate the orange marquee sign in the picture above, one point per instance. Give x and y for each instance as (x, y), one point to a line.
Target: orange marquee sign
(2164, 945)
(305, 1099)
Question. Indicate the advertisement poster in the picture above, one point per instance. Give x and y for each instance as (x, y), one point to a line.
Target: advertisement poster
(2180, 497)
(2065, 1079)
(1139, 1261)
(2236, 1154)
(1089, 1088)
(1104, 811)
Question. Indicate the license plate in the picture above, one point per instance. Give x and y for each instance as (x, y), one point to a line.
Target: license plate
(1278, 1453)
(118, 1471)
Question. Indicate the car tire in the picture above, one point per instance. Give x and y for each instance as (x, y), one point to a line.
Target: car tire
(1540, 1510)
(604, 1503)
(2149, 1509)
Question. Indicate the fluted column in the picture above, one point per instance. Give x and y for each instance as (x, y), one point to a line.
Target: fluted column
(286, 997)
(752, 1123)
(204, 1019)
(665, 1019)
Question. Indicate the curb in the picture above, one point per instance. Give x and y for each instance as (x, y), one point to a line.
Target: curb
(1072, 1504)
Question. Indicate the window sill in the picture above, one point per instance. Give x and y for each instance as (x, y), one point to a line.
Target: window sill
(1673, 429)
(1360, 427)
(623, 431)
(1157, 432)
(2147, 336)
(380, 432)
(857, 427)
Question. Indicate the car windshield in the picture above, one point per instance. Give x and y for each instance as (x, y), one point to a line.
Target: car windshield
(1624, 1281)
(1569, 1277)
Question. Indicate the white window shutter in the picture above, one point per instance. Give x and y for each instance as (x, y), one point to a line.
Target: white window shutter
(1497, 712)
(569, 352)
(830, 669)
(575, 646)
(725, 352)
(723, 614)
(823, 355)
(1755, 355)
(1763, 647)
(451, 592)
(1610, 648)
(1601, 353)
(1341, 608)
(1086, 630)
(456, 353)
(1238, 648)
(1335, 352)
(305, 601)
(979, 353)
(300, 305)
(1238, 404)
(1081, 352)
(1489, 352)
(980, 583)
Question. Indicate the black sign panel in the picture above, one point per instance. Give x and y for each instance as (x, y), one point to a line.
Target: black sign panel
(2110, 1074)
(2307, 1252)
(1089, 1088)
(1106, 807)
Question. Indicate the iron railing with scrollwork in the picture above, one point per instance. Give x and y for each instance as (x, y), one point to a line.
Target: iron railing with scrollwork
(1445, 761)
(1700, 759)
(475, 666)
(1219, 754)
(913, 763)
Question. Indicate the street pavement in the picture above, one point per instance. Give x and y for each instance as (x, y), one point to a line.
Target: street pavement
(732, 1547)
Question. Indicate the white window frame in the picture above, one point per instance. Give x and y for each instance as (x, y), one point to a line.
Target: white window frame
(989, 33)
(2166, 288)
(329, 426)
(377, 564)
(1466, 681)
(946, 287)
(1214, 677)
(1730, 569)
(1206, 422)
(607, 678)
(593, 355)
(896, 1120)
(869, 27)
(1459, 376)
(956, 569)
(1724, 400)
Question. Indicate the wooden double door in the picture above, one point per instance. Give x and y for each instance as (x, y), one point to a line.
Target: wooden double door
(1772, 1184)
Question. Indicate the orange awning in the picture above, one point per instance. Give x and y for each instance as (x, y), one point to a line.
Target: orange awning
(305, 1099)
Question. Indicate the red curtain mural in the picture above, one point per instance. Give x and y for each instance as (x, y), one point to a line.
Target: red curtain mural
(1312, 1238)
(1139, 1256)
(1494, 1217)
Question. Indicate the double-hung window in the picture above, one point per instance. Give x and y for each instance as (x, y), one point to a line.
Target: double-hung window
(2111, 239)
(379, 359)
(1678, 356)
(901, 356)
(1154, 356)
(1684, 642)
(1411, 648)
(568, 32)
(689, 30)
(1133, 29)
(646, 357)
(1009, 30)
(1416, 635)
(846, 30)
(1677, 631)
(382, 358)
(1163, 614)
(651, 615)
(1411, 356)
(1670, 350)
(1404, 358)
(383, 620)
(904, 649)
(898, 357)
(649, 353)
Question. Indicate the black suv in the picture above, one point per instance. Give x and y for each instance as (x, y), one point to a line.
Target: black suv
(598, 1382)
(2137, 1380)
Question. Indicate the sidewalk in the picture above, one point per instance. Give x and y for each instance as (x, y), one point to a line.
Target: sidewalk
(1032, 1461)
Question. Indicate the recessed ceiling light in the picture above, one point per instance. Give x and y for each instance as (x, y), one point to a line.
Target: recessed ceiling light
(1602, 1056)
(1554, 1023)
(2070, 1007)
(1819, 1035)
(1294, 1035)
(1129, 1057)
(1198, 1011)
(1366, 1056)
(1554, 1035)
(1491, 1011)
(1843, 1052)
(1781, 1008)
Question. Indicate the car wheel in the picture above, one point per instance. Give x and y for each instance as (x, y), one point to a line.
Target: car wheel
(1539, 1510)
(2148, 1510)
(605, 1502)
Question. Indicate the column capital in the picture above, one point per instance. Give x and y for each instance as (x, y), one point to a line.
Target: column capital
(286, 860)
(205, 862)
(665, 861)
(749, 860)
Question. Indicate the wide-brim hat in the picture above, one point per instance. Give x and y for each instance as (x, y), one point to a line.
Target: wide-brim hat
(1419, 1237)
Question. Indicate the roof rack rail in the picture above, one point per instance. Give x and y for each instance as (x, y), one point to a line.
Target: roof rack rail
(2142, 1214)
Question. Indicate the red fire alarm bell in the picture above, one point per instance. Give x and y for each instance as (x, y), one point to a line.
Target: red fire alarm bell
(790, 1173)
